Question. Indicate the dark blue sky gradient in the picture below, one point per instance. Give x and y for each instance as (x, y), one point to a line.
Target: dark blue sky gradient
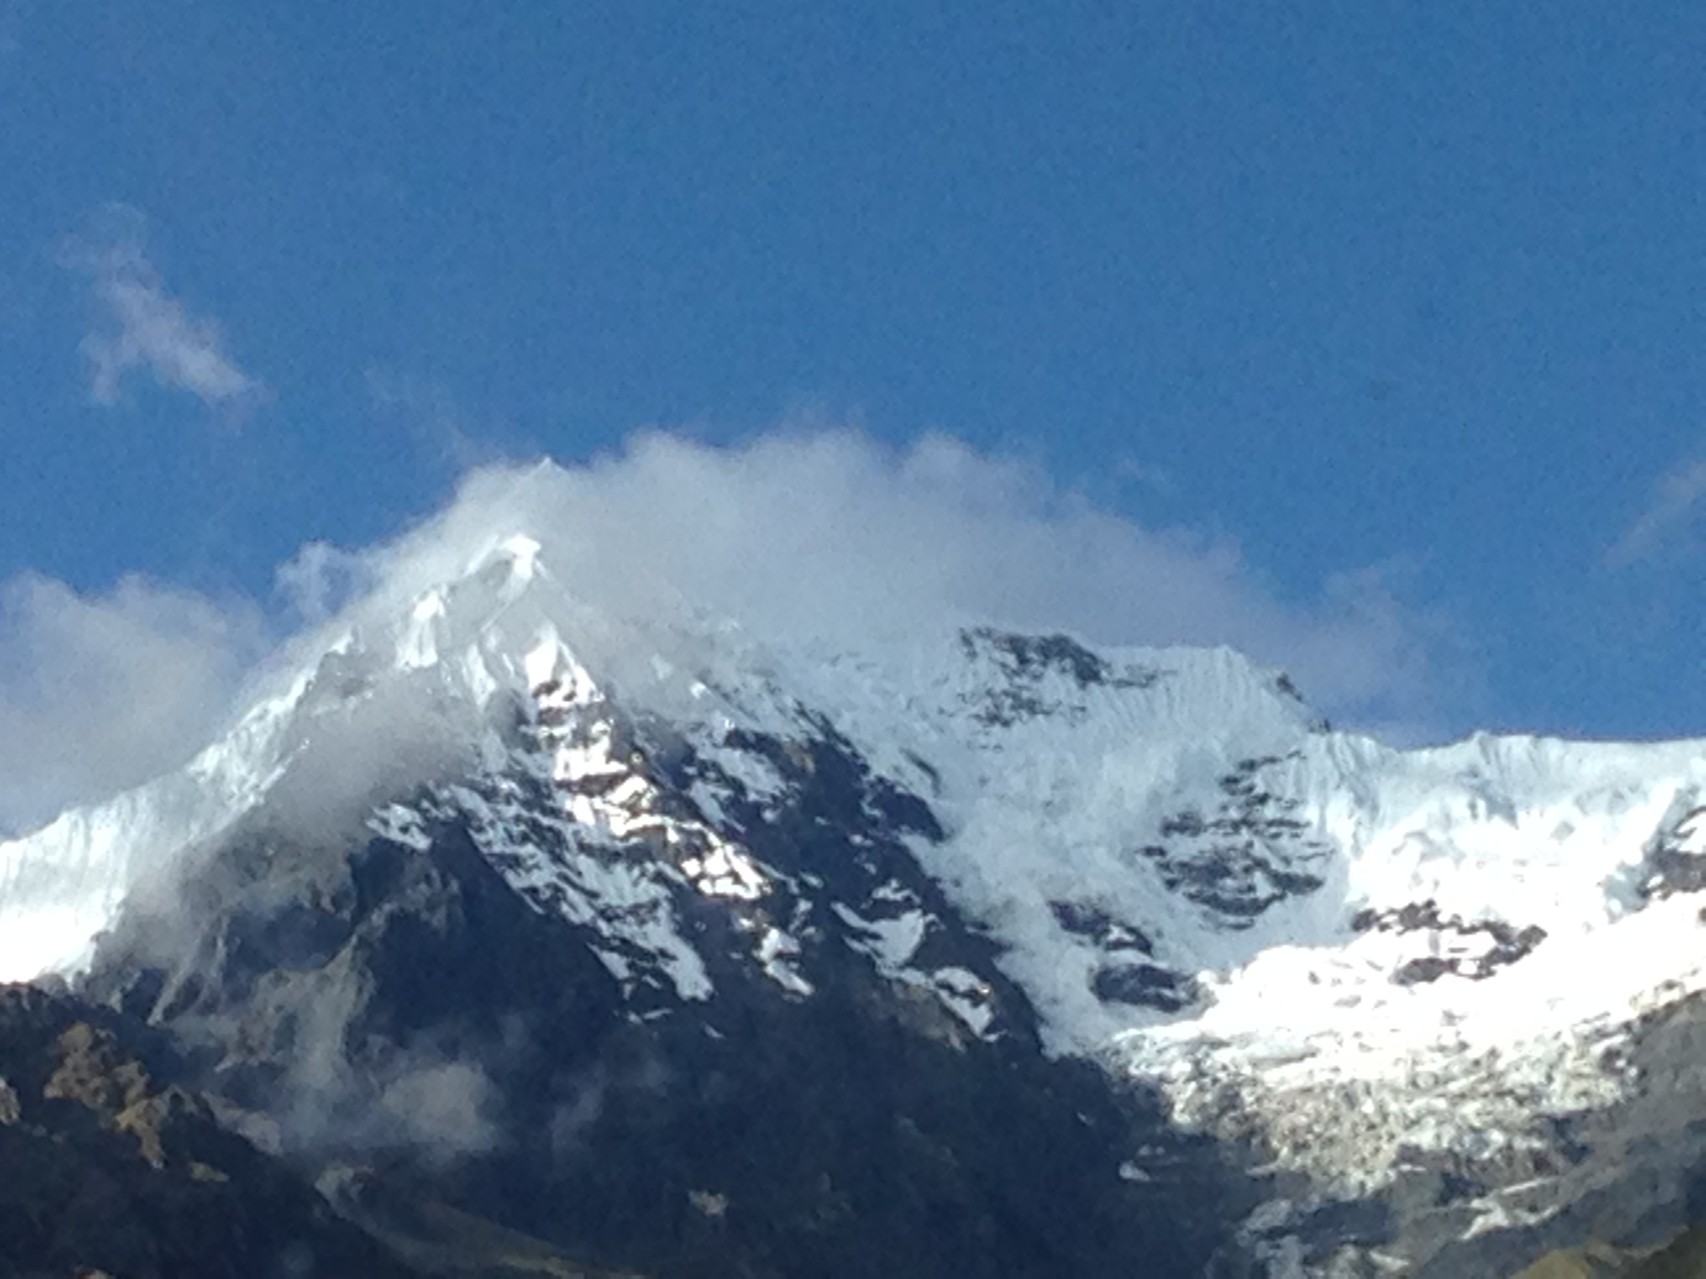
(1354, 283)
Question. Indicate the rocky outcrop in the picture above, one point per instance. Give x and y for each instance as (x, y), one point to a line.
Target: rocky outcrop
(112, 1169)
(1675, 861)
(462, 1029)
(1040, 675)
(1247, 855)
(1475, 949)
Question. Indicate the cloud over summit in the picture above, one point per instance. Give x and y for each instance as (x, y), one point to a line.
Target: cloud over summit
(830, 535)
(826, 536)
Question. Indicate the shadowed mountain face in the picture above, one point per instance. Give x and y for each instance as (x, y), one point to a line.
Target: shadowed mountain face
(402, 1022)
(110, 1168)
(548, 939)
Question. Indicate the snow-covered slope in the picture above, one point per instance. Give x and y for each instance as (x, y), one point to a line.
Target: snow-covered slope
(1346, 953)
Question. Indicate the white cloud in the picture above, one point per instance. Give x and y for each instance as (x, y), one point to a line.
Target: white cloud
(798, 536)
(319, 580)
(99, 692)
(832, 534)
(142, 327)
(445, 1108)
(1668, 517)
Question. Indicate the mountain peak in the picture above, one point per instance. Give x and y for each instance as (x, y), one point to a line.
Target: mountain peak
(1157, 859)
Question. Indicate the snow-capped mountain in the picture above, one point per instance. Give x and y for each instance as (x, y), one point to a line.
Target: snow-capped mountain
(1404, 1009)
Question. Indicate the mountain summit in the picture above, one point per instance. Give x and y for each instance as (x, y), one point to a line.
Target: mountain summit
(515, 907)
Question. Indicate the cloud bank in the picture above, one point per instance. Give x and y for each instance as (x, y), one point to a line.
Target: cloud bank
(102, 691)
(140, 326)
(829, 535)
(821, 536)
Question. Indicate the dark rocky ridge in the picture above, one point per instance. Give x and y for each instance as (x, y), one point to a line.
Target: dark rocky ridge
(1247, 856)
(109, 1168)
(407, 1013)
(1671, 866)
(1504, 943)
(1024, 665)
(488, 1070)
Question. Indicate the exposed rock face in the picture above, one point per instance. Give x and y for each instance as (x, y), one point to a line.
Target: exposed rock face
(1676, 859)
(1244, 857)
(110, 1170)
(532, 928)
(1479, 948)
(424, 1007)
(1031, 669)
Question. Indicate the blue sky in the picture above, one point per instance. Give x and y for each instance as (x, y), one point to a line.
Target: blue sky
(1404, 291)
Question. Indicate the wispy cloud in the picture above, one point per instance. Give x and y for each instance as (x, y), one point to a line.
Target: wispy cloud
(1669, 516)
(140, 326)
(319, 580)
(429, 413)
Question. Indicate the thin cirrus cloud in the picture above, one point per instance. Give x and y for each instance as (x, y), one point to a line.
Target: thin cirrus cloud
(1669, 517)
(140, 327)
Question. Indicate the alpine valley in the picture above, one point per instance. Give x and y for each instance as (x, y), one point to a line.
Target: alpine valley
(508, 932)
